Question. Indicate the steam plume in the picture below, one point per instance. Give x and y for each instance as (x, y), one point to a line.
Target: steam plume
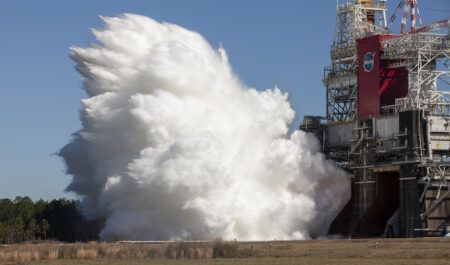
(173, 141)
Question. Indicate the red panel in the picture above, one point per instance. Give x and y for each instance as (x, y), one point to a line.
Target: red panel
(377, 85)
(368, 77)
(393, 84)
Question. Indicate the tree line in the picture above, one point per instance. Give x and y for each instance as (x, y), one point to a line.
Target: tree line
(22, 219)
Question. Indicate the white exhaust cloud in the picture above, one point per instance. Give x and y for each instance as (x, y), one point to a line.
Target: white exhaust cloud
(172, 141)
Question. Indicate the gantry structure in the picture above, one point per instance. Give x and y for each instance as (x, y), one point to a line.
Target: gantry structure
(388, 120)
(354, 20)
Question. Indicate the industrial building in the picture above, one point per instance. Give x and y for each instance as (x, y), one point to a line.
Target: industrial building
(388, 120)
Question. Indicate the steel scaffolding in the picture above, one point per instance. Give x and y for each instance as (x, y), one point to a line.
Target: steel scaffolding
(355, 19)
(426, 56)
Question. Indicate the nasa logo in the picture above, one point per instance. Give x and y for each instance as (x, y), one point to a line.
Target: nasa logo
(369, 61)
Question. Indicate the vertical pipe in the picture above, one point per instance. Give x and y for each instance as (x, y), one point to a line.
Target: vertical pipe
(384, 19)
(428, 137)
(323, 138)
(419, 135)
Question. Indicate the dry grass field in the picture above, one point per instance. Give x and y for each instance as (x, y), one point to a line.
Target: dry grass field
(360, 251)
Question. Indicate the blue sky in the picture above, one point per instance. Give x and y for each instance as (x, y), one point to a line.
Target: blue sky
(269, 42)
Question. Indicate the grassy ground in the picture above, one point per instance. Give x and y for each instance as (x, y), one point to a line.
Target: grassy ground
(370, 251)
(257, 261)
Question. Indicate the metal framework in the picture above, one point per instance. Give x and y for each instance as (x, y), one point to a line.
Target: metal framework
(355, 19)
(426, 56)
(435, 194)
(402, 155)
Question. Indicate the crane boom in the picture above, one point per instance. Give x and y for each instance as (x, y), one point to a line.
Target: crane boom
(435, 25)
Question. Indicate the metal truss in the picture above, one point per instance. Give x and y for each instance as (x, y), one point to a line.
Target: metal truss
(427, 59)
(340, 79)
(437, 184)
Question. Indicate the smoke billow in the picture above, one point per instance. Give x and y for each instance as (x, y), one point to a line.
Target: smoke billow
(172, 141)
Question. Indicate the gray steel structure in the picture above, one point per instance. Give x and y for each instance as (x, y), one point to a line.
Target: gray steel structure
(399, 161)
